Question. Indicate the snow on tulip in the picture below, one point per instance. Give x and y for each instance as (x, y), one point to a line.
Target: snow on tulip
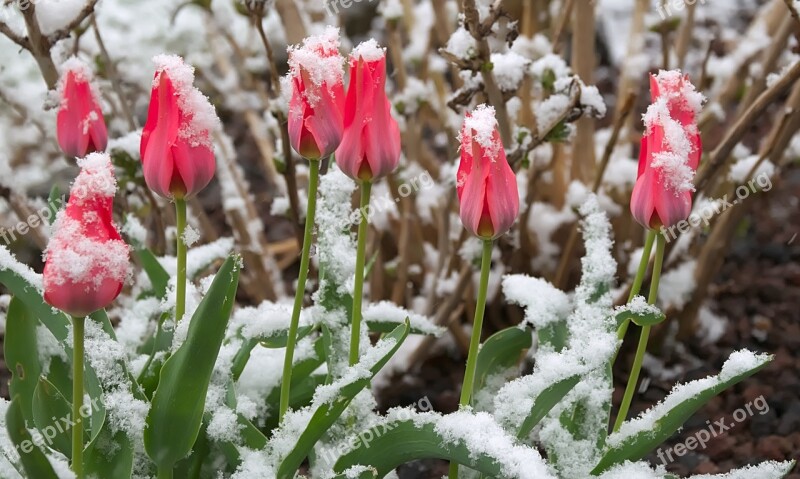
(86, 260)
(486, 185)
(316, 78)
(176, 148)
(80, 126)
(370, 147)
(670, 152)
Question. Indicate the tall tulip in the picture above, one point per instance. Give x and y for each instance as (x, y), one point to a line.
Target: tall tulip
(176, 148)
(316, 80)
(86, 265)
(670, 153)
(486, 185)
(489, 204)
(370, 147)
(80, 126)
(370, 150)
(662, 195)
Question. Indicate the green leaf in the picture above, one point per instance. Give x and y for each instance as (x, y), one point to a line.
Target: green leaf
(663, 421)
(640, 318)
(159, 277)
(501, 351)
(384, 327)
(176, 413)
(33, 459)
(21, 355)
(403, 441)
(50, 406)
(544, 402)
(109, 456)
(328, 412)
(56, 321)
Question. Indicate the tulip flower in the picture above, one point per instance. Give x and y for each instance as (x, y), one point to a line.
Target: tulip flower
(87, 261)
(670, 153)
(86, 265)
(80, 126)
(315, 110)
(176, 149)
(486, 185)
(662, 195)
(370, 147)
(370, 150)
(316, 72)
(489, 204)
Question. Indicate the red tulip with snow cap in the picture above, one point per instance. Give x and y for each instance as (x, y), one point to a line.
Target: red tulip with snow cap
(80, 126)
(486, 185)
(370, 147)
(176, 148)
(316, 76)
(670, 152)
(86, 260)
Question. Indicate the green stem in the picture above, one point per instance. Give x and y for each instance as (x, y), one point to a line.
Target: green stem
(77, 396)
(358, 289)
(637, 282)
(180, 290)
(164, 472)
(305, 258)
(475, 340)
(633, 379)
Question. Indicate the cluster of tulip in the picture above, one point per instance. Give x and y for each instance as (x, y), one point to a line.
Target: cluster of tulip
(87, 261)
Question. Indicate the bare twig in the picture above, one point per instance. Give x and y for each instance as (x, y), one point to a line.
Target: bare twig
(13, 36)
(113, 75)
(721, 153)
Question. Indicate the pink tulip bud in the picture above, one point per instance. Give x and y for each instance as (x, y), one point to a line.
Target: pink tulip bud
(370, 147)
(486, 185)
(316, 72)
(670, 152)
(86, 260)
(80, 126)
(176, 148)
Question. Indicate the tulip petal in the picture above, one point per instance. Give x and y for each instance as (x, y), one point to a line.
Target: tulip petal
(502, 192)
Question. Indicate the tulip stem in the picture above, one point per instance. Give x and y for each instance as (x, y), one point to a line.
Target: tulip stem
(286, 382)
(475, 339)
(637, 282)
(358, 288)
(180, 290)
(77, 396)
(633, 379)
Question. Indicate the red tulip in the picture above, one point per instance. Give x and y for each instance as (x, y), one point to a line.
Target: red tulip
(315, 110)
(176, 148)
(670, 152)
(86, 261)
(80, 126)
(487, 188)
(370, 147)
